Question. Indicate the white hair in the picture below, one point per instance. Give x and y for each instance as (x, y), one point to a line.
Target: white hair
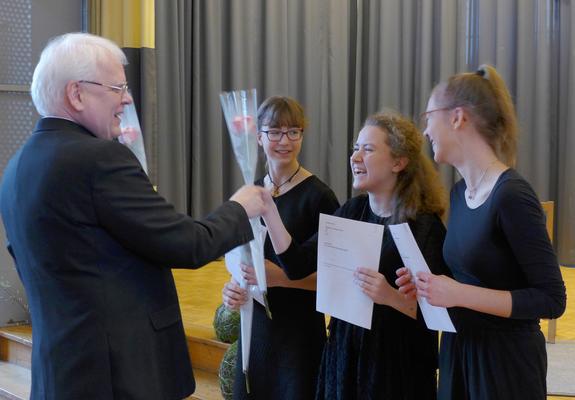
(72, 56)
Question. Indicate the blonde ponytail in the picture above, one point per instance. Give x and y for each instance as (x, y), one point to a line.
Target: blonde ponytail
(488, 101)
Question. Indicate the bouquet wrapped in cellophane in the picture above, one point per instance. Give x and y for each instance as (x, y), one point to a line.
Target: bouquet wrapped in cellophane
(240, 112)
(131, 135)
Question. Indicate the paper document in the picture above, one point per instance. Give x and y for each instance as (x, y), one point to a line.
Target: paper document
(344, 245)
(436, 318)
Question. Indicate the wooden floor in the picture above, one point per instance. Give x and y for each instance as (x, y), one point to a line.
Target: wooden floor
(200, 295)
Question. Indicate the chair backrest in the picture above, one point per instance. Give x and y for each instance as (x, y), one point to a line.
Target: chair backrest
(549, 210)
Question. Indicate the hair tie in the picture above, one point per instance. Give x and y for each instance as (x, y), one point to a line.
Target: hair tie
(482, 72)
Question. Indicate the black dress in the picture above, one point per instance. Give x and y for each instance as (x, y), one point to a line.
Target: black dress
(502, 244)
(397, 358)
(285, 352)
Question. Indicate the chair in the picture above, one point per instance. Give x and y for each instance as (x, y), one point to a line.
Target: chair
(549, 209)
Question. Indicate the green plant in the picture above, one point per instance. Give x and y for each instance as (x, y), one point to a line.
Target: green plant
(227, 369)
(226, 324)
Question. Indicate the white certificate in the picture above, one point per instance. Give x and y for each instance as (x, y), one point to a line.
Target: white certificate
(344, 245)
(436, 318)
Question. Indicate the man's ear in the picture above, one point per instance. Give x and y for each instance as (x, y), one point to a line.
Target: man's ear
(259, 137)
(399, 164)
(74, 96)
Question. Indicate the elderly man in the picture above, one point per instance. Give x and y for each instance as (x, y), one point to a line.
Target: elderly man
(94, 243)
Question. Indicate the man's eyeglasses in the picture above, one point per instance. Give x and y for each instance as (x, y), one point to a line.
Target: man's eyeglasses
(117, 89)
(275, 135)
(423, 117)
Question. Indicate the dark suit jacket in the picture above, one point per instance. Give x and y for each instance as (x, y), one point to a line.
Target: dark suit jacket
(93, 244)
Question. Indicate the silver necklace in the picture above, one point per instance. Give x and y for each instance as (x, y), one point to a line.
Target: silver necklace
(472, 190)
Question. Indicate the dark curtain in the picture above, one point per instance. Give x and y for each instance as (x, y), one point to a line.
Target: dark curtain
(130, 23)
(176, 160)
(344, 60)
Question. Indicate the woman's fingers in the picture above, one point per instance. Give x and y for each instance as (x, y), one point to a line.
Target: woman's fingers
(407, 288)
(404, 280)
(249, 274)
(233, 296)
(405, 283)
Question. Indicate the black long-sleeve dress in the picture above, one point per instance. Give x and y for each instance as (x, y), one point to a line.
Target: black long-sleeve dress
(286, 351)
(502, 244)
(397, 358)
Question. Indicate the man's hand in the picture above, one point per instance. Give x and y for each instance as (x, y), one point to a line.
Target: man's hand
(253, 199)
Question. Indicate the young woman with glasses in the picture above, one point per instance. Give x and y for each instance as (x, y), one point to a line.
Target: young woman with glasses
(285, 351)
(506, 274)
(397, 357)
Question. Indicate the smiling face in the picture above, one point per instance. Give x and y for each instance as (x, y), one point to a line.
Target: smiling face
(281, 114)
(438, 130)
(373, 166)
(283, 153)
(100, 108)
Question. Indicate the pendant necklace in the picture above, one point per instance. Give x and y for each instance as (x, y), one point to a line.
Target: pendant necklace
(276, 189)
(472, 190)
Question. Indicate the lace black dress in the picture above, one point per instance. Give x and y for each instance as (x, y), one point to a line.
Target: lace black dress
(397, 358)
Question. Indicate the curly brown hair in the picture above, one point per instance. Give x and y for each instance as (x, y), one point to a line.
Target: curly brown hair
(418, 188)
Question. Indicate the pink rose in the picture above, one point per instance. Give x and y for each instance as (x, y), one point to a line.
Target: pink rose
(242, 123)
(129, 135)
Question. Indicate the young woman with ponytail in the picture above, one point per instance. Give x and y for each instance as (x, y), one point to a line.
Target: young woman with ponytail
(505, 272)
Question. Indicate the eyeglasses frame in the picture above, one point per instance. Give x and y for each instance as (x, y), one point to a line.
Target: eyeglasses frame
(283, 132)
(117, 89)
(423, 115)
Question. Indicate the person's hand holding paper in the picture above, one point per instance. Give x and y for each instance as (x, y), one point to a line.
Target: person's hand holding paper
(406, 283)
(438, 290)
(436, 318)
(375, 285)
